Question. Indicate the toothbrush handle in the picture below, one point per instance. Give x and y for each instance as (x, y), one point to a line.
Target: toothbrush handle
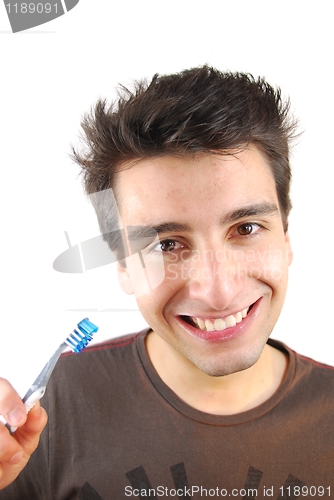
(29, 400)
(37, 389)
(34, 397)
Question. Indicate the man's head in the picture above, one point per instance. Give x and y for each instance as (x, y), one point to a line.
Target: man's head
(201, 160)
(200, 110)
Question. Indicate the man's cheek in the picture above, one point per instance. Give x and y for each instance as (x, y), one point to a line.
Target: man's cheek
(270, 266)
(147, 273)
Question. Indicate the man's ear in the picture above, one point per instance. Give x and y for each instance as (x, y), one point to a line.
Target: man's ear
(124, 278)
(289, 252)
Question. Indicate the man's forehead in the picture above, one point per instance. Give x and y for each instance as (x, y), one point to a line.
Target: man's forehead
(157, 186)
(137, 168)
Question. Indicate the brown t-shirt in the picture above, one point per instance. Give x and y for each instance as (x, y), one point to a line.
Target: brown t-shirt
(116, 431)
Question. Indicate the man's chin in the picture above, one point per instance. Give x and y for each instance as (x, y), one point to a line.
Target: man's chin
(223, 371)
(227, 364)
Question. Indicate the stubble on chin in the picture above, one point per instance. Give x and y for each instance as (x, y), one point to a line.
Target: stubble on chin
(221, 364)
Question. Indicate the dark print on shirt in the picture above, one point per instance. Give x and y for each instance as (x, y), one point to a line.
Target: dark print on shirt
(140, 481)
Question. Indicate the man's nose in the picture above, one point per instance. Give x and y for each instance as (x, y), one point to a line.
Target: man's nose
(214, 278)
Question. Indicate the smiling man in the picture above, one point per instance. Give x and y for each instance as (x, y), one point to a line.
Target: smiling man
(194, 167)
(219, 226)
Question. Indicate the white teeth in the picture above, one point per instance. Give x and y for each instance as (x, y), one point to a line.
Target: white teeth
(219, 324)
(201, 324)
(238, 317)
(208, 325)
(230, 321)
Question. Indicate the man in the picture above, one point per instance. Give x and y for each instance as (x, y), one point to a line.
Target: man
(202, 403)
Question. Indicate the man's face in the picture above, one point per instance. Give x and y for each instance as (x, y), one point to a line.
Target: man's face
(224, 252)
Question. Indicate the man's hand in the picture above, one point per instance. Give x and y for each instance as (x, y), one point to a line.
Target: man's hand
(15, 449)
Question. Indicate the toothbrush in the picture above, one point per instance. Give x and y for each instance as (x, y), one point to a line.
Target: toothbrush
(77, 341)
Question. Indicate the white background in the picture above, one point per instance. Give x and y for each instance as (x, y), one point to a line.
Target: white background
(51, 74)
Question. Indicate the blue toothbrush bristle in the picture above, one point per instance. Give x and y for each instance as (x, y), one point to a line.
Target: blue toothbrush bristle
(87, 327)
(78, 340)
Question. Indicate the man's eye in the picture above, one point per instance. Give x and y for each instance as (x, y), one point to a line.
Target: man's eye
(168, 245)
(247, 228)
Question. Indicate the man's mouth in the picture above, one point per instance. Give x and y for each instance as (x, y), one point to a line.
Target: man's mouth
(216, 324)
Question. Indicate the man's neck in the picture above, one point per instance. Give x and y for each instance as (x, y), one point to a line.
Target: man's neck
(225, 395)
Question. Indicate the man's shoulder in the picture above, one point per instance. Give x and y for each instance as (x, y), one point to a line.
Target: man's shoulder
(112, 355)
(111, 362)
(320, 373)
(111, 344)
(307, 374)
(115, 342)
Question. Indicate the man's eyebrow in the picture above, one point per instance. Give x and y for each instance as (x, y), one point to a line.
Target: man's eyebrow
(136, 233)
(150, 232)
(250, 211)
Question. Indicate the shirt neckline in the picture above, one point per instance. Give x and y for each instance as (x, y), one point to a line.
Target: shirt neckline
(207, 418)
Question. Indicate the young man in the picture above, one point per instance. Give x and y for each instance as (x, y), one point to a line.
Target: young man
(202, 403)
